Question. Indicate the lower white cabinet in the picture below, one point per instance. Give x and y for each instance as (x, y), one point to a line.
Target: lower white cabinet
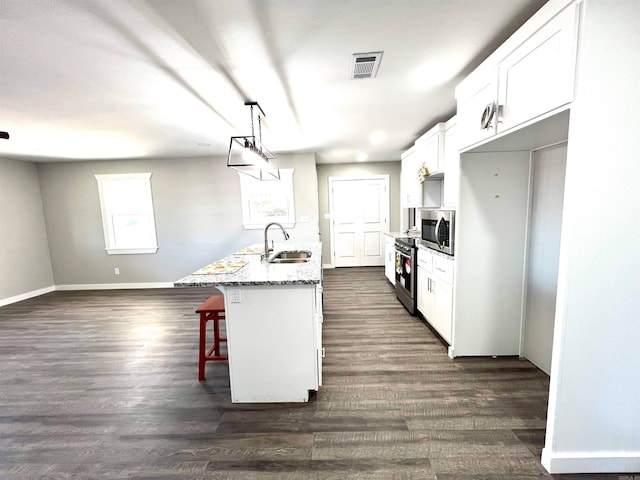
(390, 258)
(435, 292)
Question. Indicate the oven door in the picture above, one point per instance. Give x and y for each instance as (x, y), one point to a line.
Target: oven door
(405, 274)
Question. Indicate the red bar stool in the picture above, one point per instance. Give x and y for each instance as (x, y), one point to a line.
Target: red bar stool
(212, 309)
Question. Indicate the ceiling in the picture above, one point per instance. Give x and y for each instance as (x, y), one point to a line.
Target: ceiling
(114, 79)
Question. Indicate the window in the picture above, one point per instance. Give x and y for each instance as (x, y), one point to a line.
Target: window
(127, 213)
(264, 202)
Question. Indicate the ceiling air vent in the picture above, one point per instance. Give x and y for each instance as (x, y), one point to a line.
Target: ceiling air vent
(365, 65)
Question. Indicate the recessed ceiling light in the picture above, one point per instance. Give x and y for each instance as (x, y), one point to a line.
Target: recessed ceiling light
(377, 137)
(362, 157)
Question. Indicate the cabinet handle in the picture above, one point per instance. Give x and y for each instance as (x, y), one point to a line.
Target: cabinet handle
(322, 353)
(487, 116)
(441, 270)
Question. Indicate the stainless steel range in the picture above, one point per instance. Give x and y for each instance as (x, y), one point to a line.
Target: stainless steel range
(406, 275)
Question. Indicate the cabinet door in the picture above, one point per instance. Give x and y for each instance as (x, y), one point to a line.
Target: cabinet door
(443, 310)
(538, 76)
(473, 100)
(410, 188)
(319, 320)
(389, 258)
(425, 298)
(451, 167)
(428, 152)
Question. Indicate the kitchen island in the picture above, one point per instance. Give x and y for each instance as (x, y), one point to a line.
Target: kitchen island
(273, 323)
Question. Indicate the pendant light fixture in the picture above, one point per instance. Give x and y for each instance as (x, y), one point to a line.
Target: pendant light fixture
(248, 155)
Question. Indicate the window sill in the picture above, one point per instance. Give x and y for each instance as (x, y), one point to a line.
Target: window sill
(130, 251)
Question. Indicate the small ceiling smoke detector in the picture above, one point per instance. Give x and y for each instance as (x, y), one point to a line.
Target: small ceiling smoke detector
(365, 65)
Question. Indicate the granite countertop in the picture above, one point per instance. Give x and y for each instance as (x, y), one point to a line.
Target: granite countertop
(423, 246)
(403, 234)
(259, 272)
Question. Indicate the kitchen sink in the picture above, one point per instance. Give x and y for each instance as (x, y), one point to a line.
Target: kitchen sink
(291, 256)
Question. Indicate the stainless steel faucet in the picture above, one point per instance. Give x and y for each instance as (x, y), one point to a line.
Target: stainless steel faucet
(266, 240)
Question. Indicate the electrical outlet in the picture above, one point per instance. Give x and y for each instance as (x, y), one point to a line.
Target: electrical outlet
(116, 271)
(234, 295)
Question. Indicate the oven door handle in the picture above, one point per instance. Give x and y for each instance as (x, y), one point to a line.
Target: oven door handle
(438, 232)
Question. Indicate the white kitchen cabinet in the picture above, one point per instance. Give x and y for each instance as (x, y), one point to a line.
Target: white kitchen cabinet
(390, 258)
(410, 187)
(425, 301)
(530, 76)
(430, 149)
(435, 292)
(451, 181)
(478, 93)
(538, 76)
(319, 348)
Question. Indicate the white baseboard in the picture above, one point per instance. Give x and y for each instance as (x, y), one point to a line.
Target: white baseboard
(114, 286)
(591, 462)
(26, 296)
(328, 265)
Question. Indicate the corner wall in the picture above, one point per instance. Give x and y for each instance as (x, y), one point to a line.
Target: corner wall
(593, 422)
(25, 264)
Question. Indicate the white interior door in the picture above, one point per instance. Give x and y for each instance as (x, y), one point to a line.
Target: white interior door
(359, 208)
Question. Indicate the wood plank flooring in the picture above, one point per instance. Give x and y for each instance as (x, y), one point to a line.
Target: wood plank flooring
(103, 384)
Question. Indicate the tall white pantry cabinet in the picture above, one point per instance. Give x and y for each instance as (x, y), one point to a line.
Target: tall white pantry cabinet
(570, 74)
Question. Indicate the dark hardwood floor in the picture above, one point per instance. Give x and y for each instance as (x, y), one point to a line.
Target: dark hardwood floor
(103, 384)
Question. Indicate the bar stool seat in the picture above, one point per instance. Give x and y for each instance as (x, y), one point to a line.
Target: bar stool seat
(211, 309)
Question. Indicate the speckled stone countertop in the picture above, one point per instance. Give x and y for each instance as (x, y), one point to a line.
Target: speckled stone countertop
(423, 246)
(403, 234)
(259, 272)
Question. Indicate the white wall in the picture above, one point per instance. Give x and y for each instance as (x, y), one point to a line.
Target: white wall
(198, 217)
(491, 225)
(25, 265)
(594, 404)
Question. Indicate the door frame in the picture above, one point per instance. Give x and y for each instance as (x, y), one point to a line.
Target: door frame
(331, 181)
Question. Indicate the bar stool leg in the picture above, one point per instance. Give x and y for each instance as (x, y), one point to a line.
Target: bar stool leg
(203, 338)
(216, 335)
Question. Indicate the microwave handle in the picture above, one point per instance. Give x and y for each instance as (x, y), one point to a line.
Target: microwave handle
(438, 232)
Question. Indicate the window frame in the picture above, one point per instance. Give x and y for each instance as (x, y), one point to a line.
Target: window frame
(107, 215)
(283, 188)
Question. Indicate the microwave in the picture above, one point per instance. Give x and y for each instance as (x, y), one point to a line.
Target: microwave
(438, 229)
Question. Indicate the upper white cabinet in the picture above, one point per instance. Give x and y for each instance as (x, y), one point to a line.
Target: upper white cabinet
(451, 181)
(430, 150)
(538, 76)
(530, 76)
(410, 187)
(475, 98)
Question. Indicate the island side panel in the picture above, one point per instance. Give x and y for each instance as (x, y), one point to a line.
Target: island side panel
(271, 342)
